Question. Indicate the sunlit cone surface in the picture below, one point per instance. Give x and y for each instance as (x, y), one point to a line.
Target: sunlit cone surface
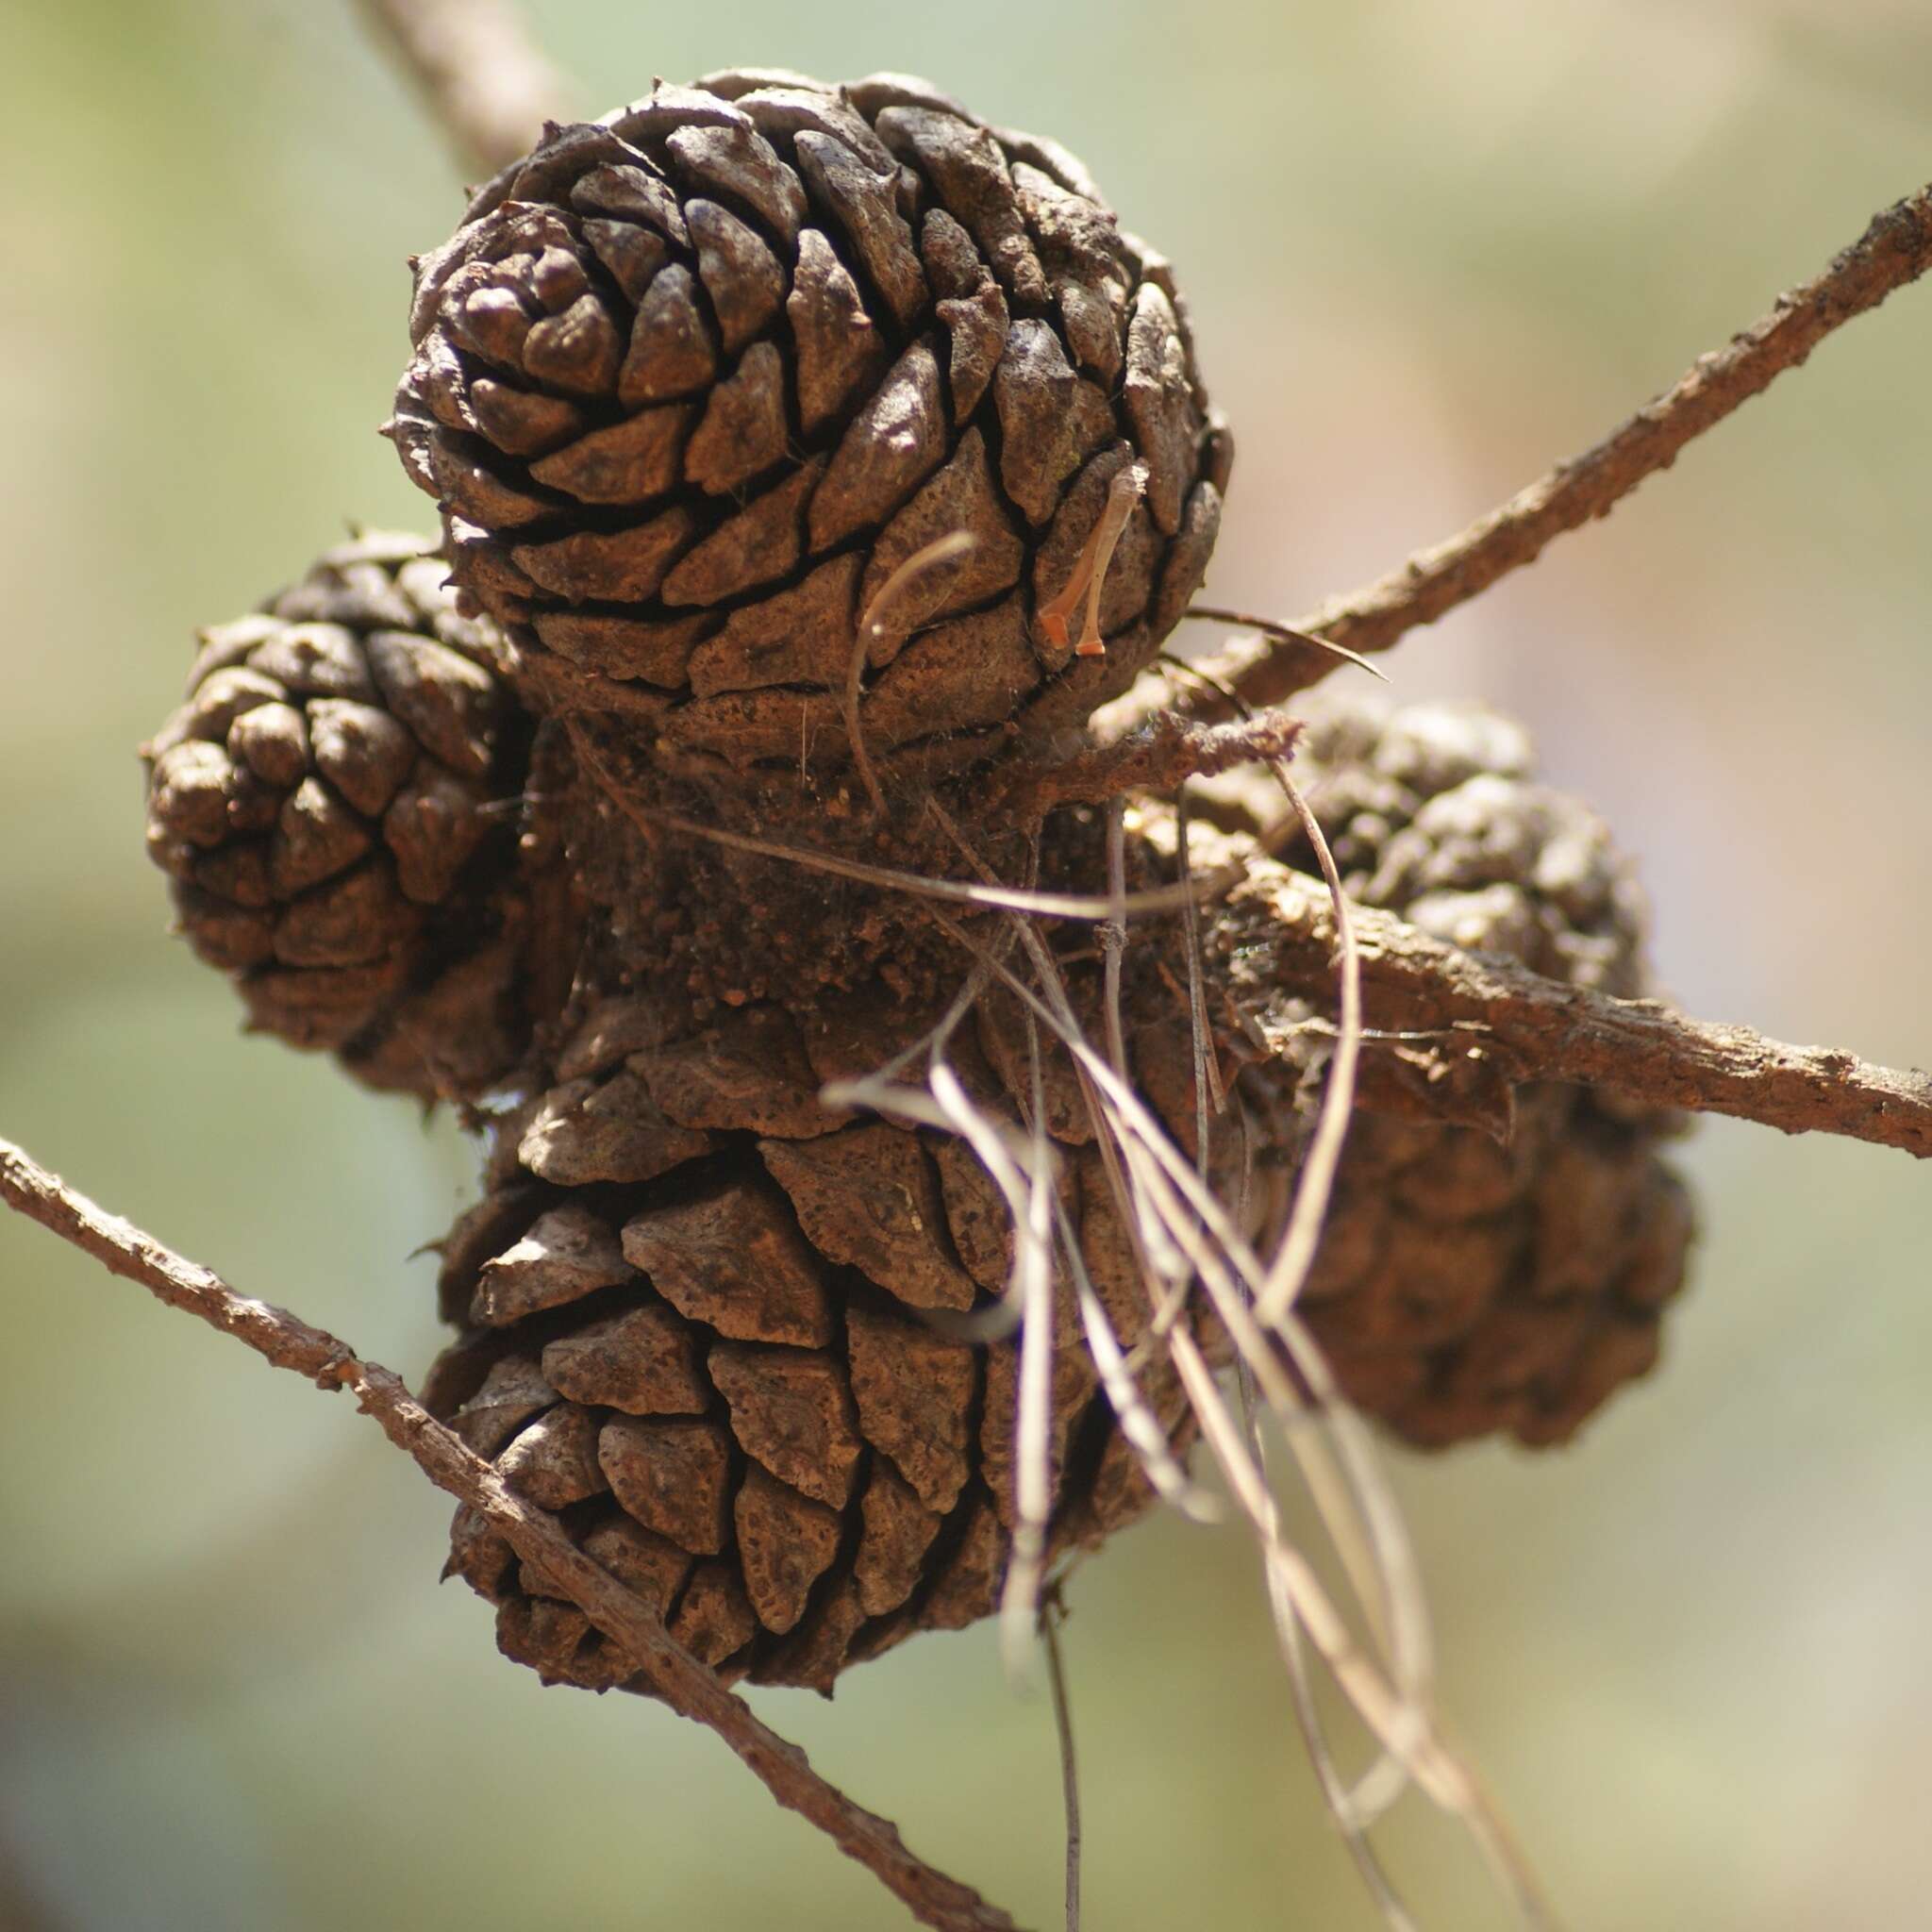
(335, 804)
(692, 382)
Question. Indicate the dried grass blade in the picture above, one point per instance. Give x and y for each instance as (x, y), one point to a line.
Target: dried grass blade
(872, 625)
(1033, 1423)
(1377, 1558)
(1335, 1791)
(1315, 1183)
(1052, 1614)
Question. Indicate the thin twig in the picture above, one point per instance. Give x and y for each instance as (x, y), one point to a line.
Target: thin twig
(1894, 250)
(487, 85)
(1164, 753)
(1052, 1614)
(676, 1677)
(1274, 938)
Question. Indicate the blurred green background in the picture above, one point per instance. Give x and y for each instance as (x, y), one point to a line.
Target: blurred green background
(1431, 246)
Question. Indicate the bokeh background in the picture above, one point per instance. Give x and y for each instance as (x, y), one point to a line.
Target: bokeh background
(1431, 247)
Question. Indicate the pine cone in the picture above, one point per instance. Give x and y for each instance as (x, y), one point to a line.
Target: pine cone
(694, 381)
(337, 805)
(700, 1321)
(1464, 1286)
(698, 1308)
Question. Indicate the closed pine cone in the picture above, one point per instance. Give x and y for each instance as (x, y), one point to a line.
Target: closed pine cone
(337, 805)
(694, 381)
(1467, 1286)
(699, 1310)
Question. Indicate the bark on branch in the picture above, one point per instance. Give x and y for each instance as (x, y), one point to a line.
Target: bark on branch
(1163, 755)
(1275, 937)
(488, 87)
(1896, 249)
(675, 1677)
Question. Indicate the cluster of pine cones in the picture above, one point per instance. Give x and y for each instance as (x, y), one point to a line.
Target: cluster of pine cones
(697, 390)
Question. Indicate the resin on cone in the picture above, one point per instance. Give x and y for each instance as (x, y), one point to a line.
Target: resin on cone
(692, 382)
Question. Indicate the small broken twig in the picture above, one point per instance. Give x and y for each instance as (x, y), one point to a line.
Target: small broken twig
(1089, 575)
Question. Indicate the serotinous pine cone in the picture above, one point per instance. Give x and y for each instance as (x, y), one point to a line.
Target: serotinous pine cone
(338, 803)
(708, 393)
(696, 1305)
(691, 384)
(1472, 1281)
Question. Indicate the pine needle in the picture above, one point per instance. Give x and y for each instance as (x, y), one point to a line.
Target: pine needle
(1053, 1614)
(1315, 1183)
(875, 625)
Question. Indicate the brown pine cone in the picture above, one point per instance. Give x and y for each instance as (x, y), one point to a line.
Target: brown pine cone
(337, 803)
(700, 1318)
(1465, 1287)
(694, 381)
(697, 1306)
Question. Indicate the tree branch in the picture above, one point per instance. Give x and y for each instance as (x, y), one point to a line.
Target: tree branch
(486, 83)
(1163, 755)
(675, 1677)
(1896, 249)
(1274, 935)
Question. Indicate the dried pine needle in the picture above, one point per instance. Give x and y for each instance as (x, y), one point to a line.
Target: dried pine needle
(1316, 1181)
(1053, 1614)
(1273, 628)
(875, 625)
